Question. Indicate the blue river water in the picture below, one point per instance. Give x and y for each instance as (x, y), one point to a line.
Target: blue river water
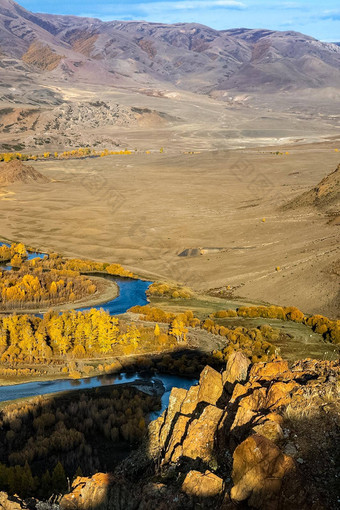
(36, 388)
(131, 293)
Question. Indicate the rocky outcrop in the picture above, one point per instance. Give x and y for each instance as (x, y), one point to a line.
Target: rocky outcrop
(222, 443)
(236, 371)
(12, 503)
(100, 492)
(324, 196)
(210, 386)
(199, 442)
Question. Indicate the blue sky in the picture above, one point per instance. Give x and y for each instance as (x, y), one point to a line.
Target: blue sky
(318, 18)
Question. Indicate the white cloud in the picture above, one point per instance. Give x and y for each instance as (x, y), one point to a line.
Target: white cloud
(200, 11)
(168, 6)
(193, 4)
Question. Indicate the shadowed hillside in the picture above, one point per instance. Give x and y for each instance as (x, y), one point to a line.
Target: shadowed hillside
(257, 436)
(325, 196)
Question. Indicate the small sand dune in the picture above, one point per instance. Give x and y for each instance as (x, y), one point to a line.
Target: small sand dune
(16, 172)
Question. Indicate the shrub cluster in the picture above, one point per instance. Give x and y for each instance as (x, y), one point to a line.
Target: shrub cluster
(328, 328)
(55, 261)
(73, 154)
(167, 290)
(17, 250)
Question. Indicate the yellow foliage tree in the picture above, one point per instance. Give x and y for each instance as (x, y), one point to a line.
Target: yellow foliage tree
(178, 330)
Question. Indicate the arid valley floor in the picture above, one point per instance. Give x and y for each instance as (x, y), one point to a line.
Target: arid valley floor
(144, 210)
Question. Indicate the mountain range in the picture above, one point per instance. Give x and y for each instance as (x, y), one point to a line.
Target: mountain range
(189, 56)
(49, 60)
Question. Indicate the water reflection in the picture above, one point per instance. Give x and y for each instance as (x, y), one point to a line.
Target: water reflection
(160, 384)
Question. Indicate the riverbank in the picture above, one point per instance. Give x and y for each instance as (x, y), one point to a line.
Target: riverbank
(150, 385)
(148, 382)
(302, 244)
(294, 342)
(123, 364)
(107, 290)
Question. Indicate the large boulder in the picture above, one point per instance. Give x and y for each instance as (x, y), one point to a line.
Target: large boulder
(280, 394)
(175, 447)
(242, 390)
(154, 431)
(264, 476)
(100, 492)
(7, 503)
(276, 370)
(88, 493)
(247, 411)
(190, 401)
(202, 485)
(270, 429)
(177, 396)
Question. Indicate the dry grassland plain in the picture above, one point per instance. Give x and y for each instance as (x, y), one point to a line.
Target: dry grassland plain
(144, 210)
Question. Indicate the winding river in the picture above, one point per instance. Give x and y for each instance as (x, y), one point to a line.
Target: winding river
(132, 292)
(30, 256)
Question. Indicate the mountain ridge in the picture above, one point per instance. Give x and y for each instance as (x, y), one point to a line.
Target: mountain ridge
(188, 56)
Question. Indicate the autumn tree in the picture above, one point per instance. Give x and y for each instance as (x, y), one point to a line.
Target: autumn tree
(178, 330)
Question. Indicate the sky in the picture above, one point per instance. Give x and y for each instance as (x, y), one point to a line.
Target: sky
(318, 18)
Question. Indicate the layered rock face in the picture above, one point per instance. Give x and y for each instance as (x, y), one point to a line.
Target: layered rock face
(222, 444)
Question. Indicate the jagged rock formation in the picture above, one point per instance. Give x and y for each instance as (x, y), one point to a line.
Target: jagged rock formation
(16, 172)
(67, 123)
(226, 443)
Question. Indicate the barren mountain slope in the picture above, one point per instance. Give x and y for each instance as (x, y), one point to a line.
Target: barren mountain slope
(325, 196)
(204, 88)
(71, 124)
(189, 56)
